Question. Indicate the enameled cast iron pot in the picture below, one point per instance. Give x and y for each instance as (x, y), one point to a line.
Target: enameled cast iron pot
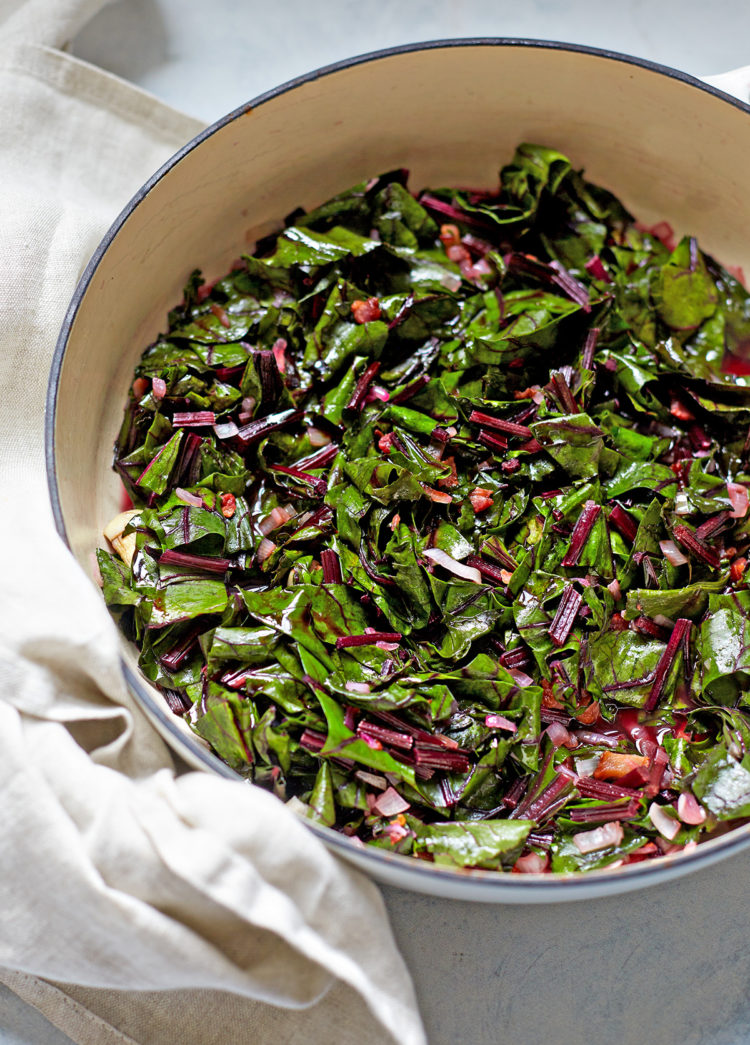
(452, 112)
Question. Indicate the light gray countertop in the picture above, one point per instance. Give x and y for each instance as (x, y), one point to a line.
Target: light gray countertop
(666, 965)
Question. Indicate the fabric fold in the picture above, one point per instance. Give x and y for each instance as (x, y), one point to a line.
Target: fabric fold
(130, 887)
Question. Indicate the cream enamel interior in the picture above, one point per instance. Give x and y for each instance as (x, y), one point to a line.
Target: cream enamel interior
(453, 115)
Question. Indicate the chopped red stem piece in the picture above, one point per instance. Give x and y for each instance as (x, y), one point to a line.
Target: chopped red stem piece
(344, 641)
(567, 611)
(646, 626)
(511, 427)
(689, 540)
(432, 758)
(208, 563)
(331, 567)
(581, 530)
(589, 787)
(603, 813)
(385, 735)
(441, 207)
(179, 653)
(360, 389)
(263, 426)
(564, 393)
(713, 525)
(271, 381)
(623, 522)
(497, 443)
(680, 638)
(492, 573)
(589, 346)
(494, 548)
(532, 446)
(193, 419)
(411, 389)
(312, 740)
(514, 659)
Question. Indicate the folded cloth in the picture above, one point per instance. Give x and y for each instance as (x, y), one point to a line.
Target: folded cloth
(139, 902)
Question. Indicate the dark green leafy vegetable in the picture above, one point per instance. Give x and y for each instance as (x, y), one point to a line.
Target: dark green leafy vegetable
(440, 523)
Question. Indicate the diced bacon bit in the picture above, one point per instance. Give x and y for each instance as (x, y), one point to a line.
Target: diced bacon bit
(158, 387)
(737, 494)
(600, 838)
(663, 822)
(390, 803)
(480, 499)
(366, 311)
(614, 765)
(396, 830)
(588, 715)
(221, 315)
(140, 387)
(680, 410)
(549, 700)
(450, 480)
(395, 522)
(617, 622)
(737, 569)
(385, 443)
(531, 863)
(458, 253)
(533, 392)
(437, 495)
(228, 505)
(449, 235)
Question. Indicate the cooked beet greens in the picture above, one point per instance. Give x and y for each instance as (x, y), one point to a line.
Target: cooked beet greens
(440, 523)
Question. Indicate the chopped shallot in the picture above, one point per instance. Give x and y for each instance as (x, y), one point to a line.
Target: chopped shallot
(390, 803)
(672, 553)
(663, 823)
(689, 809)
(600, 838)
(441, 558)
(737, 494)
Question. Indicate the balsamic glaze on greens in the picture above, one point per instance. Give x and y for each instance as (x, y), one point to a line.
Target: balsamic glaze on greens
(440, 523)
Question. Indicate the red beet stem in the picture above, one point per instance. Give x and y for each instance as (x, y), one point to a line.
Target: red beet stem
(589, 347)
(385, 735)
(564, 393)
(209, 563)
(624, 522)
(567, 611)
(319, 459)
(344, 641)
(497, 443)
(494, 548)
(262, 426)
(487, 421)
(689, 540)
(514, 659)
(312, 740)
(646, 626)
(411, 389)
(432, 758)
(193, 419)
(604, 813)
(589, 787)
(179, 653)
(331, 567)
(581, 531)
(713, 525)
(680, 638)
(490, 572)
(360, 389)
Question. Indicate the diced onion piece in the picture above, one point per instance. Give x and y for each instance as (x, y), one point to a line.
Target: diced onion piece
(279, 350)
(115, 526)
(560, 736)
(664, 824)
(500, 722)
(662, 621)
(125, 547)
(193, 499)
(689, 809)
(158, 387)
(265, 549)
(373, 779)
(390, 803)
(532, 863)
(600, 838)
(441, 558)
(318, 437)
(681, 503)
(357, 687)
(737, 494)
(248, 404)
(277, 517)
(614, 589)
(672, 553)
(586, 766)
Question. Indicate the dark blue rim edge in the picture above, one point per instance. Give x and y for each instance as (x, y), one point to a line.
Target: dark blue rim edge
(492, 881)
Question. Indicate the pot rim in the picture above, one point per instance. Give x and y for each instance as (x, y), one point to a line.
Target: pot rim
(490, 883)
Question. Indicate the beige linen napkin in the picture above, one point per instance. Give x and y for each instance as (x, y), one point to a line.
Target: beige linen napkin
(138, 903)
